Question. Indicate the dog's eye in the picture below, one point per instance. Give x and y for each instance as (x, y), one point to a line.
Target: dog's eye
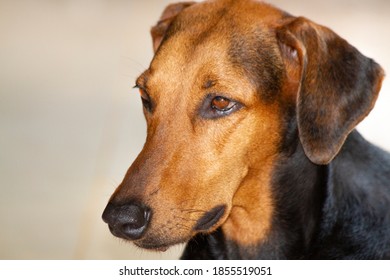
(222, 104)
(217, 106)
(146, 101)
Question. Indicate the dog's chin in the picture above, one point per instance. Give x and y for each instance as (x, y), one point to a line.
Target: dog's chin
(152, 247)
(158, 246)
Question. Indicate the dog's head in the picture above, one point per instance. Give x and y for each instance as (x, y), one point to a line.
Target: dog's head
(227, 81)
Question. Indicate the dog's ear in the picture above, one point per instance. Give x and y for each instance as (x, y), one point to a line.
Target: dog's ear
(337, 85)
(169, 14)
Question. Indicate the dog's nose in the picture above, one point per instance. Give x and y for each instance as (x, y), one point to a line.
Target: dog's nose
(127, 221)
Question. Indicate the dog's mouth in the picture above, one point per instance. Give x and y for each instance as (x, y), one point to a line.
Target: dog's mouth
(210, 218)
(207, 222)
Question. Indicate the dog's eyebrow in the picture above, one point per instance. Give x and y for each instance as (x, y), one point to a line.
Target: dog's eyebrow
(141, 80)
(209, 84)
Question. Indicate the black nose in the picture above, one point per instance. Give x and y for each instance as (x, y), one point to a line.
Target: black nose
(127, 221)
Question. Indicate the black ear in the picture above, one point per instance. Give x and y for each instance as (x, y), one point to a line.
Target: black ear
(169, 14)
(338, 86)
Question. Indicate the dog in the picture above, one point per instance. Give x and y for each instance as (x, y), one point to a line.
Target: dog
(251, 149)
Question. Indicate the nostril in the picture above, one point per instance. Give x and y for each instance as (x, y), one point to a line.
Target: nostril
(129, 228)
(137, 220)
(128, 221)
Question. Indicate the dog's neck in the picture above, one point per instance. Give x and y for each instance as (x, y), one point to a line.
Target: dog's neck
(299, 189)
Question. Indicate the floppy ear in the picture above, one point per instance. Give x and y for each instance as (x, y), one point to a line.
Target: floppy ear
(171, 11)
(338, 86)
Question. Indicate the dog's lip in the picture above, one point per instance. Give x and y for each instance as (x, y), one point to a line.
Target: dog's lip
(210, 218)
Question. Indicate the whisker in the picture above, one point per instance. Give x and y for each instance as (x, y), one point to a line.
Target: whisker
(182, 226)
(187, 200)
(190, 210)
(185, 219)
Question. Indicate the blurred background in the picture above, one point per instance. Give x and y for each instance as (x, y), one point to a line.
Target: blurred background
(71, 124)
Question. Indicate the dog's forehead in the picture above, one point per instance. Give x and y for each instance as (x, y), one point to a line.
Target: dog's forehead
(210, 13)
(219, 20)
(212, 37)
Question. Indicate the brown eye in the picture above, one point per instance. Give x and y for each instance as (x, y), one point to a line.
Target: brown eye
(146, 102)
(143, 93)
(221, 103)
(218, 106)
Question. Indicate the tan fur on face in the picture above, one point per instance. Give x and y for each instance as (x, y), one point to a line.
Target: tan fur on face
(249, 221)
(250, 218)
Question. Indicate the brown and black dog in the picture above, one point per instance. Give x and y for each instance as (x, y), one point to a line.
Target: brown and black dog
(251, 150)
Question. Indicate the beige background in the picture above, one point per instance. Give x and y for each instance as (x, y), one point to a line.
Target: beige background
(70, 123)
